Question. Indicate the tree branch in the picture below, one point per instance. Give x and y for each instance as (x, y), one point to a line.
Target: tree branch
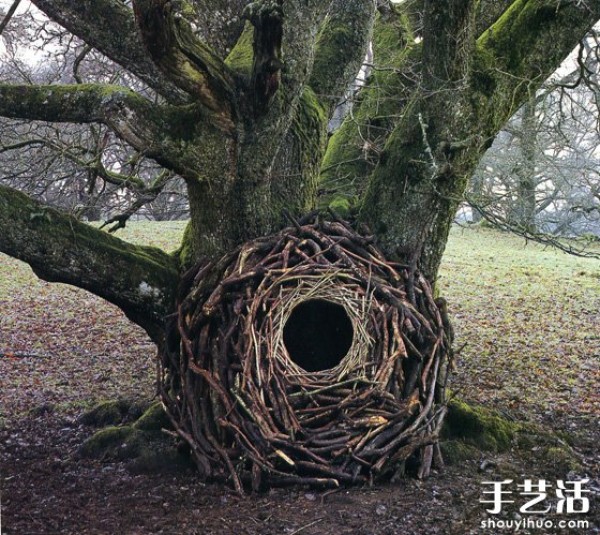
(109, 26)
(140, 280)
(341, 48)
(354, 149)
(80, 103)
(189, 63)
(412, 193)
(523, 48)
(9, 15)
(145, 195)
(567, 245)
(133, 118)
(160, 132)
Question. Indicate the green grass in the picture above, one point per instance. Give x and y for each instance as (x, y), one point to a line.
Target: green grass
(529, 316)
(166, 235)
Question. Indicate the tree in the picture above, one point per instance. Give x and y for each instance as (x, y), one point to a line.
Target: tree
(539, 177)
(241, 113)
(84, 169)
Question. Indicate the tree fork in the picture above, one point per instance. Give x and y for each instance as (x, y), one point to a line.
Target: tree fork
(188, 62)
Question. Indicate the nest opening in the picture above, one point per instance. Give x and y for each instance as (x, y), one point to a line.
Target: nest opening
(318, 334)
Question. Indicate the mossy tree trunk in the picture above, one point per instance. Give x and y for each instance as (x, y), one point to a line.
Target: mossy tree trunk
(405, 161)
(242, 114)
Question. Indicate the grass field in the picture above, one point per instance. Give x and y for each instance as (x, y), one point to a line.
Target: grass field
(530, 319)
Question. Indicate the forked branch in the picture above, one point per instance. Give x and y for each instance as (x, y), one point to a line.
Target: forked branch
(189, 63)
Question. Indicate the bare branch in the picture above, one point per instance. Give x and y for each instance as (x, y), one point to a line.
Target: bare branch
(569, 246)
(145, 196)
(137, 121)
(109, 26)
(9, 15)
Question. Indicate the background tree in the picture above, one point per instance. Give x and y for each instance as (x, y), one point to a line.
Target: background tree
(540, 177)
(84, 169)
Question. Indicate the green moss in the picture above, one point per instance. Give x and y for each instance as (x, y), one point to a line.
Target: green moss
(391, 35)
(65, 102)
(241, 57)
(113, 443)
(105, 413)
(310, 117)
(479, 427)
(354, 149)
(79, 251)
(141, 446)
(518, 52)
(561, 459)
(331, 40)
(342, 207)
(139, 441)
(457, 451)
(469, 430)
(154, 419)
(515, 32)
(113, 412)
(185, 253)
(296, 189)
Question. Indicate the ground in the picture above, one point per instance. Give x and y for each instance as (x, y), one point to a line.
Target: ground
(529, 318)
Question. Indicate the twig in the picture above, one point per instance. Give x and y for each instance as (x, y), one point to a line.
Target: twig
(307, 526)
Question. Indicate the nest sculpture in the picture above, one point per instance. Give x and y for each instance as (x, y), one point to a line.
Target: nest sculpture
(307, 357)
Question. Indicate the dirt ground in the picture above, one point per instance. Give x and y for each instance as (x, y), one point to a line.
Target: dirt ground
(48, 489)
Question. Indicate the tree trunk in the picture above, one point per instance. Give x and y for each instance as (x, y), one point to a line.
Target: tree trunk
(525, 207)
(414, 167)
(476, 195)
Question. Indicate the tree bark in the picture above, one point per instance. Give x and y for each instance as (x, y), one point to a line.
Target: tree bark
(185, 60)
(466, 89)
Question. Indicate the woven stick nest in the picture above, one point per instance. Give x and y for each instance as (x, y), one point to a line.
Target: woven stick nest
(250, 410)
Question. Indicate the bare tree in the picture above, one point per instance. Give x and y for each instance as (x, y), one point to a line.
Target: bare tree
(540, 176)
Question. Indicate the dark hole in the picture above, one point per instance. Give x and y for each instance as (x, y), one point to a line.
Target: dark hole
(318, 334)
